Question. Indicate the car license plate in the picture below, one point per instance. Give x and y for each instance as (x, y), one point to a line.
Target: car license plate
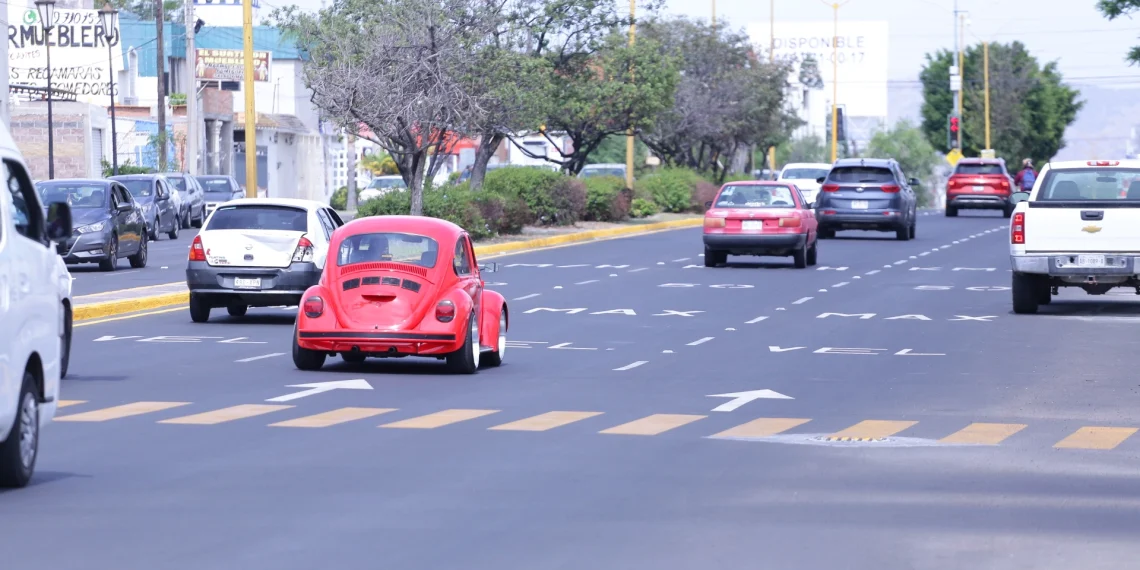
(859, 204)
(247, 283)
(1090, 261)
(752, 225)
(979, 188)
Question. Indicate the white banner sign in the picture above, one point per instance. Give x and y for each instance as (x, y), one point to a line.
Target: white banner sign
(79, 59)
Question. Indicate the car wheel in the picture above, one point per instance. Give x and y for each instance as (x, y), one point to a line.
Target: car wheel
(951, 212)
(496, 358)
(138, 260)
(352, 357)
(186, 219)
(112, 261)
(304, 358)
(201, 218)
(903, 233)
(18, 453)
(237, 309)
(913, 226)
(173, 233)
(1045, 296)
(826, 234)
(813, 253)
(712, 257)
(153, 234)
(1026, 293)
(199, 309)
(466, 359)
(799, 257)
(65, 342)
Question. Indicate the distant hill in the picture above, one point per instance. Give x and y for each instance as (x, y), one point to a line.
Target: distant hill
(1104, 125)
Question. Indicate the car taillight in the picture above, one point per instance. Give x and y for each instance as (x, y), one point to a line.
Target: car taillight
(1005, 184)
(445, 311)
(830, 188)
(1017, 235)
(304, 252)
(196, 251)
(789, 222)
(713, 222)
(314, 307)
(951, 183)
(892, 188)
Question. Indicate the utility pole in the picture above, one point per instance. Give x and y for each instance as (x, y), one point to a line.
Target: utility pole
(350, 170)
(771, 31)
(835, 83)
(250, 109)
(956, 76)
(713, 14)
(629, 132)
(161, 63)
(192, 120)
(961, 42)
(986, 63)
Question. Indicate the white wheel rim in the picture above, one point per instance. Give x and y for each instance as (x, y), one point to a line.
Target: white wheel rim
(502, 335)
(475, 344)
(29, 430)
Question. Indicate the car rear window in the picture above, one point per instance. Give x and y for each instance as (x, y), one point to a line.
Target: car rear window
(257, 217)
(1091, 184)
(753, 196)
(398, 247)
(177, 182)
(804, 173)
(860, 174)
(978, 169)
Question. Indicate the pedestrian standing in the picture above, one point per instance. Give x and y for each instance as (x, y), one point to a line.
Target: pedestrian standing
(1026, 177)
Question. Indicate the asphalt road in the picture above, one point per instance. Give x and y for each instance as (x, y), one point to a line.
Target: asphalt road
(928, 426)
(166, 263)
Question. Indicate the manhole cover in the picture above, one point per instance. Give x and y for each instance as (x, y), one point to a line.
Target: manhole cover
(855, 439)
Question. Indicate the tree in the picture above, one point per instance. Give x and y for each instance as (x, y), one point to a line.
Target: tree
(803, 149)
(1030, 106)
(907, 144)
(1113, 9)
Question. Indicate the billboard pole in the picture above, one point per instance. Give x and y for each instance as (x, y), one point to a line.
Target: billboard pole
(250, 109)
(835, 82)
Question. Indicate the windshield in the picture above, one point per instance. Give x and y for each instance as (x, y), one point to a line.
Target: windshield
(1091, 184)
(403, 248)
(592, 172)
(978, 169)
(82, 196)
(256, 217)
(217, 188)
(752, 196)
(387, 183)
(177, 182)
(805, 173)
(139, 188)
(860, 174)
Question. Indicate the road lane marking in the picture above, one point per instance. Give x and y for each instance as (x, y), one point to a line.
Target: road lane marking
(762, 427)
(544, 422)
(838, 285)
(802, 300)
(701, 341)
(583, 283)
(638, 269)
(263, 356)
(756, 320)
(440, 419)
(901, 261)
(680, 260)
(1096, 438)
(525, 297)
(333, 417)
(66, 403)
(631, 366)
(924, 254)
(983, 433)
(226, 415)
(653, 425)
(872, 272)
(123, 411)
(872, 429)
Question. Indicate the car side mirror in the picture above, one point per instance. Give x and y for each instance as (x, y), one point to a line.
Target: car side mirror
(59, 226)
(491, 267)
(125, 207)
(1018, 197)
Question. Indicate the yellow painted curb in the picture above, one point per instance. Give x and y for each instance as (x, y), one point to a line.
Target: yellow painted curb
(110, 308)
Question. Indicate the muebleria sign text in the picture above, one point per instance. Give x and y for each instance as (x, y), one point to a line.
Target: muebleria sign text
(79, 61)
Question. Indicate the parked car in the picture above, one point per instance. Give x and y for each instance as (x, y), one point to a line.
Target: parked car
(219, 189)
(158, 201)
(193, 203)
(109, 223)
(592, 170)
(35, 316)
(867, 194)
(979, 184)
(760, 218)
(380, 186)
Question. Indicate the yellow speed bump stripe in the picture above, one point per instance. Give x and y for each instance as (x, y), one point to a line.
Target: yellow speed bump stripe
(1096, 438)
(653, 425)
(66, 403)
(226, 414)
(333, 417)
(763, 427)
(440, 419)
(983, 433)
(543, 422)
(123, 411)
(870, 429)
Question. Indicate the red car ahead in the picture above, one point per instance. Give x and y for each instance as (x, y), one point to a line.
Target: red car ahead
(395, 286)
(979, 184)
(760, 218)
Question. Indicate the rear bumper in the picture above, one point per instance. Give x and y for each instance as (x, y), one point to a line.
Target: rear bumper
(385, 343)
(755, 244)
(978, 201)
(883, 220)
(1060, 265)
(278, 285)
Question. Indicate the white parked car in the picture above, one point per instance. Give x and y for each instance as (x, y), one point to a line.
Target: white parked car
(35, 315)
(258, 252)
(380, 186)
(806, 176)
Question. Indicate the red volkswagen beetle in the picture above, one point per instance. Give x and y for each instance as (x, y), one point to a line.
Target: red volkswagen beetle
(395, 286)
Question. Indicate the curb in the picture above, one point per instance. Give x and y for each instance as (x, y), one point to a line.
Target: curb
(86, 312)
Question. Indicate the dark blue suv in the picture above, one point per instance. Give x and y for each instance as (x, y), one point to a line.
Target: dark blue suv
(867, 194)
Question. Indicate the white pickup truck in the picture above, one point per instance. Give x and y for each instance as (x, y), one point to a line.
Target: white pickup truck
(1078, 227)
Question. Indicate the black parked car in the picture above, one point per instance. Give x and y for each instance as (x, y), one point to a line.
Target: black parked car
(193, 202)
(867, 194)
(154, 194)
(108, 223)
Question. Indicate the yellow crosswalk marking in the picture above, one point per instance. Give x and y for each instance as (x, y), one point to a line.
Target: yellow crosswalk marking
(225, 415)
(872, 429)
(983, 433)
(440, 419)
(547, 421)
(653, 425)
(66, 403)
(1096, 438)
(333, 417)
(123, 411)
(762, 427)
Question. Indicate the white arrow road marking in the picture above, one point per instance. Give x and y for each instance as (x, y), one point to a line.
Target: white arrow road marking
(701, 341)
(321, 387)
(631, 366)
(741, 398)
(566, 346)
(780, 349)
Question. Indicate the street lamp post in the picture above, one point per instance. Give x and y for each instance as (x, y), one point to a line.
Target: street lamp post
(109, 15)
(46, 9)
(835, 80)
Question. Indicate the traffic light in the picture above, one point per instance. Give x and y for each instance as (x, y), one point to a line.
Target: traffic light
(952, 131)
(841, 121)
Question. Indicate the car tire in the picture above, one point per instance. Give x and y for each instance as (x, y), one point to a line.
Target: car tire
(65, 342)
(1007, 212)
(466, 359)
(1045, 296)
(1026, 293)
(237, 309)
(112, 261)
(712, 257)
(138, 260)
(951, 212)
(152, 235)
(495, 358)
(186, 221)
(305, 359)
(19, 452)
(826, 233)
(799, 257)
(813, 253)
(199, 309)
(913, 226)
(903, 233)
(173, 233)
(352, 357)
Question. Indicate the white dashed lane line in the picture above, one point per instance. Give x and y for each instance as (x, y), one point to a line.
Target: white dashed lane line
(700, 341)
(638, 269)
(756, 320)
(263, 356)
(586, 282)
(680, 260)
(872, 272)
(525, 297)
(802, 300)
(631, 366)
(838, 285)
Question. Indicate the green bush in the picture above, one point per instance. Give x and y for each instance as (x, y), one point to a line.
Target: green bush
(670, 188)
(536, 188)
(642, 208)
(339, 199)
(607, 199)
(502, 216)
(455, 204)
(568, 199)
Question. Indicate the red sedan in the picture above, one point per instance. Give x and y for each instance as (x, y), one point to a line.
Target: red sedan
(396, 286)
(760, 218)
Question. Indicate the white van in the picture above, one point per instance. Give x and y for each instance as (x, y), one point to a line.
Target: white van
(35, 315)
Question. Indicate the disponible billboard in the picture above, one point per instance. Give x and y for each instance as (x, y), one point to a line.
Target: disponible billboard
(861, 50)
(229, 65)
(79, 59)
